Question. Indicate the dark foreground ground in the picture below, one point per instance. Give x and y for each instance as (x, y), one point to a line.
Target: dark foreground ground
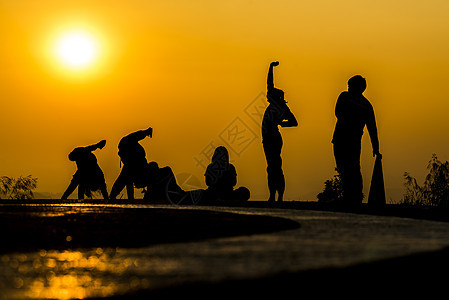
(422, 276)
(32, 228)
(48, 225)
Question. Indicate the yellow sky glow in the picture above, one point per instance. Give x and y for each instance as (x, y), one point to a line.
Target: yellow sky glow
(193, 70)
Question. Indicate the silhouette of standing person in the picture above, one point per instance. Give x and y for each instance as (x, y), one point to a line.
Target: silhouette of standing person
(276, 114)
(353, 112)
(221, 177)
(88, 177)
(135, 166)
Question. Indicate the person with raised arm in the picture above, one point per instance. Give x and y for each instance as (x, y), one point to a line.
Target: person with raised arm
(276, 114)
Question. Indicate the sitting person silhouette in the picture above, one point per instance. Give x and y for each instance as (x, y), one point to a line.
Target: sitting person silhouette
(353, 112)
(135, 166)
(276, 114)
(221, 177)
(162, 185)
(88, 177)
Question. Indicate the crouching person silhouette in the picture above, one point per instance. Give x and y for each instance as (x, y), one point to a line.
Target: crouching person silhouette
(134, 172)
(89, 177)
(221, 178)
(353, 112)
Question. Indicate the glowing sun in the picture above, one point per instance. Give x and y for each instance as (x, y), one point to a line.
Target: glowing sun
(77, 49)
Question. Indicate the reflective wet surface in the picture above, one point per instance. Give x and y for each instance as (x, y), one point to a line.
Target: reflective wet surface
(310, 240)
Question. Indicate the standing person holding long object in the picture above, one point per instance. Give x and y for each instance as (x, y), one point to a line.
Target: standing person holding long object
(353, 112)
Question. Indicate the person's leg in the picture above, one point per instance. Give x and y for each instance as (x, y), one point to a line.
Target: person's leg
(340, 161)
(241, 194)
(169, 177)
(347, 157)
(168, 185)
(268, 150)
(130, 190)
(281, 185)
(119, 184)
(81, 190)
(354, 176)
(72, 186)
(278, 173)
(104, 191)
(99, 183)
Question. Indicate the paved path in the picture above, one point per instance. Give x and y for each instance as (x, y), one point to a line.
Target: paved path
(322, 240)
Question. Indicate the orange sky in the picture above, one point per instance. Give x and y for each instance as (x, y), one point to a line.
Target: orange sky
(193, 70)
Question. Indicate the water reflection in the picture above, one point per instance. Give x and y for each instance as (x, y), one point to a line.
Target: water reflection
(67, 274)
(100, 250)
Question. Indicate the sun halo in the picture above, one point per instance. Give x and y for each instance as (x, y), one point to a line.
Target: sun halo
(76, 49)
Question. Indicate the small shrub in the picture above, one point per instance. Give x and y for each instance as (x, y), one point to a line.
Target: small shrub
(435, 189)
(20, 188)
(333, 190)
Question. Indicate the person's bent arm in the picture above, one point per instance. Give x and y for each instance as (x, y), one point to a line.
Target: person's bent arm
(141, 134)
(96, 146)
(290, 121)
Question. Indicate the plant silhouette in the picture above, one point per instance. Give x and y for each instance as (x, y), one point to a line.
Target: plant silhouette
(333, 190)
(435, 189)
(20, 188)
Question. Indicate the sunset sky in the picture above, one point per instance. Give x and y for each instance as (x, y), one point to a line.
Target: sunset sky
(196, 72)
